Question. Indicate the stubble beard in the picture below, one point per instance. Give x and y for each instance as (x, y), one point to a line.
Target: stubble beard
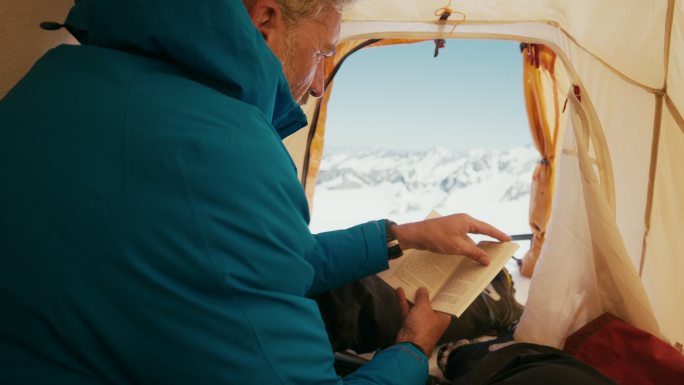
(289, 63)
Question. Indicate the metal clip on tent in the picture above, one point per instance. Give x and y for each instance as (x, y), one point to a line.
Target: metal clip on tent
(443, 16)
(444, 13)
(51, 25)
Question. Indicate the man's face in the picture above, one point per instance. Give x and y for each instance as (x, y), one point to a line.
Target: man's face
(302, 51)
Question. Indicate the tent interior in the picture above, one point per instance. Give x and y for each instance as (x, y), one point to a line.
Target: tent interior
(604, 87)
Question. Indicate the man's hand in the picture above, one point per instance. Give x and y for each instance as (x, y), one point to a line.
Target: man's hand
(422, 325)
(448, 235)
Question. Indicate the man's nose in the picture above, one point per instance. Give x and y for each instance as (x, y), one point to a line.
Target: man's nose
(318, 85)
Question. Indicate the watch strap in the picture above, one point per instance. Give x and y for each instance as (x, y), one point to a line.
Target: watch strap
(393, 249)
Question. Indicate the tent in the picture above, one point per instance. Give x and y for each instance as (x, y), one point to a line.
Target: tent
(604, 83)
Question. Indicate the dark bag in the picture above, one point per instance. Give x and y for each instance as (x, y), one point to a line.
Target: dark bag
(364, 315)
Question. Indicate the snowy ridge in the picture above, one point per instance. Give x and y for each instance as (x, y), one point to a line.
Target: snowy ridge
(363, 184)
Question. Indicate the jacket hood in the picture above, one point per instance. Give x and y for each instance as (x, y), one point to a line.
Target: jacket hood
(214, 40)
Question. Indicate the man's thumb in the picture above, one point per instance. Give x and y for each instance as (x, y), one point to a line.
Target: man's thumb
(422, 296)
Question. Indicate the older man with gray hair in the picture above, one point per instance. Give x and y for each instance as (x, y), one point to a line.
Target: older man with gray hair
(158, 233)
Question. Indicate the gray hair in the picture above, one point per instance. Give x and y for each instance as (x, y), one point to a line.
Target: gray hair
(296, 11)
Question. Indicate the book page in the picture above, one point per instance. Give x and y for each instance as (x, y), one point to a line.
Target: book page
(418, 268)
(470, 278)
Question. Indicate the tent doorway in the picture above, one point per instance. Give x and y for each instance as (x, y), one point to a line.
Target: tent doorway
(408, 133)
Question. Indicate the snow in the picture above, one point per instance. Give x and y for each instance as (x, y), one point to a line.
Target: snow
(355, 186)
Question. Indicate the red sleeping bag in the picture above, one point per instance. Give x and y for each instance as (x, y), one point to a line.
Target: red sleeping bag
(628, 355)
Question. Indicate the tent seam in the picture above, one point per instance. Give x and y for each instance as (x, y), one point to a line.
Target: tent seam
(657, 126)
(669, 23)
(676, 115)
(655, 144)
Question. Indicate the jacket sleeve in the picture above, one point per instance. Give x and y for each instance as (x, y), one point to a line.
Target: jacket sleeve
(346, 255)
(246, 221)
(399, 364)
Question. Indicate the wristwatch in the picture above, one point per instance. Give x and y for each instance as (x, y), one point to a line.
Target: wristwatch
(393, 248)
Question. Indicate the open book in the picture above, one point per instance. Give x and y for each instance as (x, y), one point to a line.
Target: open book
(454, 281)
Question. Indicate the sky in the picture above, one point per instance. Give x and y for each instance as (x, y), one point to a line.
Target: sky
(401, 97)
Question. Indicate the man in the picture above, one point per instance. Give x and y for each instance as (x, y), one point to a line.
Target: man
(154, 229)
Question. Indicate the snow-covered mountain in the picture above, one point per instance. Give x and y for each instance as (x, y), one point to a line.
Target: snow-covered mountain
(362, 184)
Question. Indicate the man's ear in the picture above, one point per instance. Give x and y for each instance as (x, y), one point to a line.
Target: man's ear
(267, 18)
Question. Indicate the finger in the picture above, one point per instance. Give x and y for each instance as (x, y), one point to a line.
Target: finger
(473, 252)
(479, 227)
(422, 297)
(403, 303)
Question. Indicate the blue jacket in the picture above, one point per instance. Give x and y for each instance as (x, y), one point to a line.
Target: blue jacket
(153, 229)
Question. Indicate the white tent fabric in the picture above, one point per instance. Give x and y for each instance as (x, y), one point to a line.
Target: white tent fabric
(586, 270)
(675, 79)
(627, 57)
(615, 30)
(664, 261)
